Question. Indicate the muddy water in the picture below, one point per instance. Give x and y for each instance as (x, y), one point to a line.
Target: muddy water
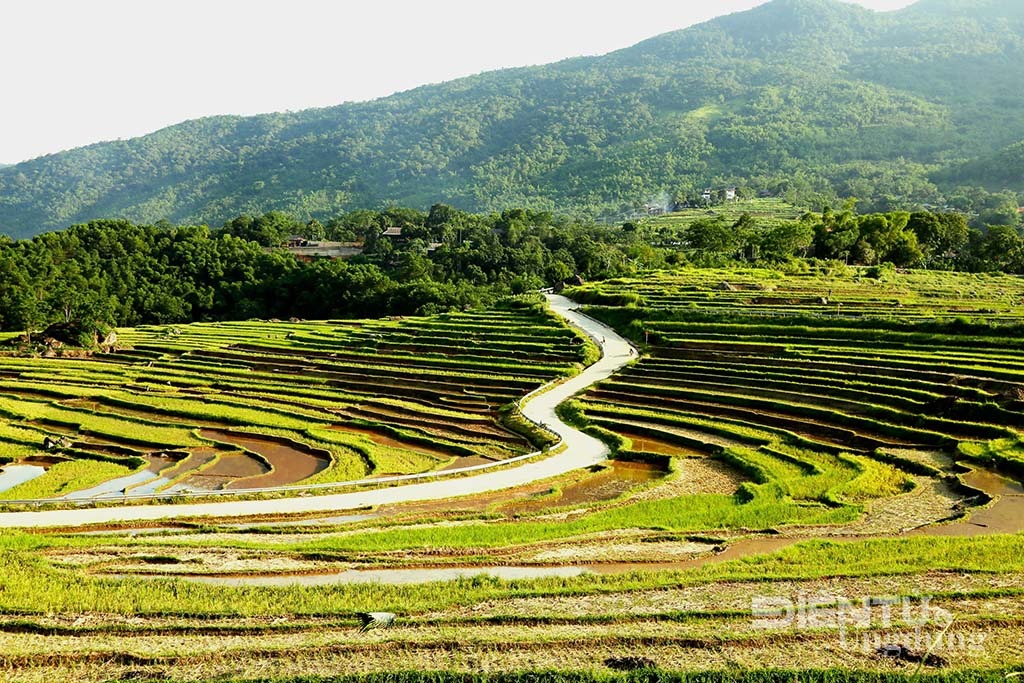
(391, 576)
(143, 481)
(158, 462)
(197, 457)
(113, 488)
(290, 463)
(391, 442)
(237, 466)
(1005, 516)
(650, 445)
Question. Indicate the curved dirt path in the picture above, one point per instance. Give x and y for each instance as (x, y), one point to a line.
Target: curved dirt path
(579, 451)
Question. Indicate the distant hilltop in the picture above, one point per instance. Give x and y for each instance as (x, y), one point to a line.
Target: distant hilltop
(807, 99)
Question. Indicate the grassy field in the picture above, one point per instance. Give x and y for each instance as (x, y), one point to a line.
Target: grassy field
(802, 491)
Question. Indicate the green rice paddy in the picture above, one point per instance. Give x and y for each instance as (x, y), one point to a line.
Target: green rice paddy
(390, 396)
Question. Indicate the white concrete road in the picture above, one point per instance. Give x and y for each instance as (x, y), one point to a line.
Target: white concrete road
(580, 451)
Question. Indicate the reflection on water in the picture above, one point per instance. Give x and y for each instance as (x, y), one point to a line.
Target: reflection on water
(113, 487)
(1004, 516)
(12, 475)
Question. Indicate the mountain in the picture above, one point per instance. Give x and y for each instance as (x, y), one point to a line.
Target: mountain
(809, 96)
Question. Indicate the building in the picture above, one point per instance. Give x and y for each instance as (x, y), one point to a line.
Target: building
(306, 250)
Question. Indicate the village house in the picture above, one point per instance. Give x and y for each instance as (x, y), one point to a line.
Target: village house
(307, 250)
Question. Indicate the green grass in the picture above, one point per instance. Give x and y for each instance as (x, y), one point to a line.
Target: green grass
(71, 592)
(764, 509)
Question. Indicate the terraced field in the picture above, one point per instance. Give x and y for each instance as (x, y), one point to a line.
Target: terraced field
(819, 408)
(830, 291)
(800, 492)
(250, 405)
(768, 212)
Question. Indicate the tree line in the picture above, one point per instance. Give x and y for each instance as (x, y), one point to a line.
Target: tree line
(921, 239)
(120, 273)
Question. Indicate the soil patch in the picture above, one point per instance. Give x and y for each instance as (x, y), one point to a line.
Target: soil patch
(607, 484)
(695, 476)
(467, 461)
(932, 500)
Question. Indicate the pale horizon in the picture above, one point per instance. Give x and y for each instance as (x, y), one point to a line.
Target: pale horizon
(81, 73)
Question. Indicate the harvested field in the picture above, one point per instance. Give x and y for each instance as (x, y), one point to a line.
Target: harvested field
(696, 476)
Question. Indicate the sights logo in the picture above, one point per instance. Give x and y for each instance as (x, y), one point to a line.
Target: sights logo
(885, 625)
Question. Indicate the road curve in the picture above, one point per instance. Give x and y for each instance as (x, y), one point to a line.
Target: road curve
(581, 450)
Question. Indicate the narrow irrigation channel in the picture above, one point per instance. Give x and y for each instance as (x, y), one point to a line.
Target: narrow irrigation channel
(576, 450)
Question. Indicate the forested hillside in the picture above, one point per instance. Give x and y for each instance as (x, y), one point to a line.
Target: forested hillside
(812, 98)
(114, 272)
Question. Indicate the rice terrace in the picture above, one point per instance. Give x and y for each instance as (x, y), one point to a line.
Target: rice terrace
(780, 439)
(659, 342)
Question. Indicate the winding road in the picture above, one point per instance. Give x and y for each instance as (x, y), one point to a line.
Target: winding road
(577, 450)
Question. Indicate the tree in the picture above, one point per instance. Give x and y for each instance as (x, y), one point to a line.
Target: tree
(785, 241)
(1001, 249)
(315, 230)
(835, 235)
(713, 237)
(889, 239)
(941, 236)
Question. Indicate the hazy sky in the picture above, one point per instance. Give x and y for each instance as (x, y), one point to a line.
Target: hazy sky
(80, 71)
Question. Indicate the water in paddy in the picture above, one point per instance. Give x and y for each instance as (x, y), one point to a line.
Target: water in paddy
(12, 475)
(390, 576)
(1005, 516)
(112, 488)
(289, 462)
